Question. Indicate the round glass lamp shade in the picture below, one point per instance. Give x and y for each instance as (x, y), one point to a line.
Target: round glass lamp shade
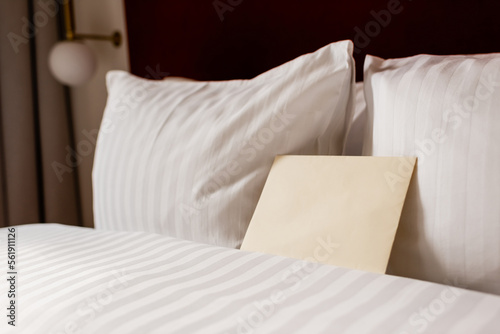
(72, 63)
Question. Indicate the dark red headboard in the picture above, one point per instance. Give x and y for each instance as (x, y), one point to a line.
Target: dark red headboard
(236, 39)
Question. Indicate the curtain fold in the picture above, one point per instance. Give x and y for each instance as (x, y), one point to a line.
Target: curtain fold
(35, 128)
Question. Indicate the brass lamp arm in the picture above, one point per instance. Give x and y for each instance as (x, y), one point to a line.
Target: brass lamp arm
(115, 38)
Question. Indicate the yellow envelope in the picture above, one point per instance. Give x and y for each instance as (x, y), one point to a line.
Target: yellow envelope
(336, 210)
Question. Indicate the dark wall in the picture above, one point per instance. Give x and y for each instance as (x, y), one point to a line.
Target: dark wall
(230, 39)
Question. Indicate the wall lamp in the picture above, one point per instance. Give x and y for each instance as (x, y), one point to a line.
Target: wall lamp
(72, 62)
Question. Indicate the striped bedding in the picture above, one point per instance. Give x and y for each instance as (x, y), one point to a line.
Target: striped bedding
(77, 280)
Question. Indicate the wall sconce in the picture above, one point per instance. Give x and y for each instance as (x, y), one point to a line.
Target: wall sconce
(71, 62)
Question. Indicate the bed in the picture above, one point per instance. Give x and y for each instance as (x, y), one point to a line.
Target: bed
(186, 161)
(77, 280)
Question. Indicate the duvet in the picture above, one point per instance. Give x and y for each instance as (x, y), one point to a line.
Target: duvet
(77, 280)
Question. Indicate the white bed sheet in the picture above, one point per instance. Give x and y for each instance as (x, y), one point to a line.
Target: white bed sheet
(78, 280)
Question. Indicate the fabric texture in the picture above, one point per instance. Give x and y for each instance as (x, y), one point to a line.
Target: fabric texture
(190, 158)
(355, 137)
(445, 111)
(79, 280)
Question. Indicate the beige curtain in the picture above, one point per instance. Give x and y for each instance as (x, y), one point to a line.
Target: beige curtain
(35, 122)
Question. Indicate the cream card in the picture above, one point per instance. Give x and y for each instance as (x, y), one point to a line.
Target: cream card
(337, 210)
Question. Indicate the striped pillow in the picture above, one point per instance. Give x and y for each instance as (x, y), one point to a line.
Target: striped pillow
(444, 110)
(354, 140)
(189, 159)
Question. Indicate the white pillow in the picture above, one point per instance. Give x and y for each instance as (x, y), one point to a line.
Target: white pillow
(356, 133)
(446, 111)
(189, 159)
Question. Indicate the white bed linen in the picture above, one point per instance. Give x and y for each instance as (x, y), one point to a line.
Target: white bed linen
(77, 280)
(189, 158)
(445, 111)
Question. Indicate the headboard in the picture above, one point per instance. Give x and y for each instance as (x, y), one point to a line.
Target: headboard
(239, 39)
